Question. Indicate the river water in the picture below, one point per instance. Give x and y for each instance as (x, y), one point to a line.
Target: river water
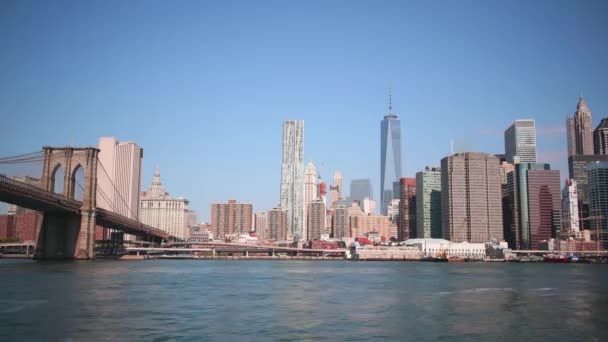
(192, 300)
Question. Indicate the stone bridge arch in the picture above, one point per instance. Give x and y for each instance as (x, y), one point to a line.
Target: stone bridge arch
(63, 235)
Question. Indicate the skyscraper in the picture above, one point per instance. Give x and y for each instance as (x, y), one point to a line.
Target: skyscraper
(534, 198)
(390, 156)
(292, 178)
(600, 137)
(119, 178)
(520, 141)
(428, 204)
(598, 199)
(360, 189)
(580, 130)
(335, 190)
(570, 206)
(310, 184)
(471, 198)
(407, 209)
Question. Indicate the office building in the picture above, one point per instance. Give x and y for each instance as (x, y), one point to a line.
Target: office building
(335, 190)
(361, 189)
(390, 157)
(600, 137)
(504, 170)
(520, 142)
(277, 224)
(406, 227)
(119, 176)
(598, 199)
(580, 130)
(428, 204)
(231, 218)
(158, 209)
(534, 198)
(471, 198)
(570, 206)
(577, 170)
(292, 178)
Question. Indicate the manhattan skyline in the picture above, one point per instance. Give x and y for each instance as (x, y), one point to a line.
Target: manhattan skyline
(205, 94)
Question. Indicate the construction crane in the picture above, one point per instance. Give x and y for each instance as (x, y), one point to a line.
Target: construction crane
(463, 227)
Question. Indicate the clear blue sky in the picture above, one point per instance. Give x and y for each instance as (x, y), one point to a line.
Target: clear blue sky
(203, 86)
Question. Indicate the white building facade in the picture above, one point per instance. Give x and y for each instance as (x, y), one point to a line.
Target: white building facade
(292, 178)
(164, 212)
(570, 206)
(119, 177)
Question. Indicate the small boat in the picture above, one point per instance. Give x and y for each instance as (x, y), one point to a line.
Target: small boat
(456, 259)
(554, 258)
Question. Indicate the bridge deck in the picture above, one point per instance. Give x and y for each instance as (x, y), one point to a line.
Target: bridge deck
(32, 197)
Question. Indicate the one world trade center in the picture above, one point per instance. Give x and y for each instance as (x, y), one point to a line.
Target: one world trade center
(390, 157)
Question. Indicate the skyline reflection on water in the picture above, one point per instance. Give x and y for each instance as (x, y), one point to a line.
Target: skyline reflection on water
(298, 300)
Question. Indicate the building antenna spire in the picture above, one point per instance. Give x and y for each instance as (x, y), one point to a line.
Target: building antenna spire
(390, 100)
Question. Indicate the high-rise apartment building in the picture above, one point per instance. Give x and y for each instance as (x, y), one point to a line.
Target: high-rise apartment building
(277, 224)
(335, 190)
(471, 198)
(292, 178)
(580, 130)
(260, 225)
(360, 225)
(231, 218)
(360, 189)
(598, 199)
(406, 228)
(390, 157)
(158, 209)
(428, 204)
(520, 142)
(341, 222)
(119, 177)
(316, 219)
(534, 198)
(570, 206)
(600, 137)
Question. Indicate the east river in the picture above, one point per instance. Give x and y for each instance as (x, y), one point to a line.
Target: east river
(190, 300)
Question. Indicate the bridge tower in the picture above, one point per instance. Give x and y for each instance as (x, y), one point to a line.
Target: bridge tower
(70, 236)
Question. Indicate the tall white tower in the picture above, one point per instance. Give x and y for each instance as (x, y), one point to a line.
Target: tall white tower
(292, 177)
(335, 190)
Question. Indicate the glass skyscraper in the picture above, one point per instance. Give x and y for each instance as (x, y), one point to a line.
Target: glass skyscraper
(360, 189)
(390, 157)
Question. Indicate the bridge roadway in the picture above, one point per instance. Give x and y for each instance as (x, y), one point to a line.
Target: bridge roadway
(579, 253)
(32, 197)
(233, 247)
